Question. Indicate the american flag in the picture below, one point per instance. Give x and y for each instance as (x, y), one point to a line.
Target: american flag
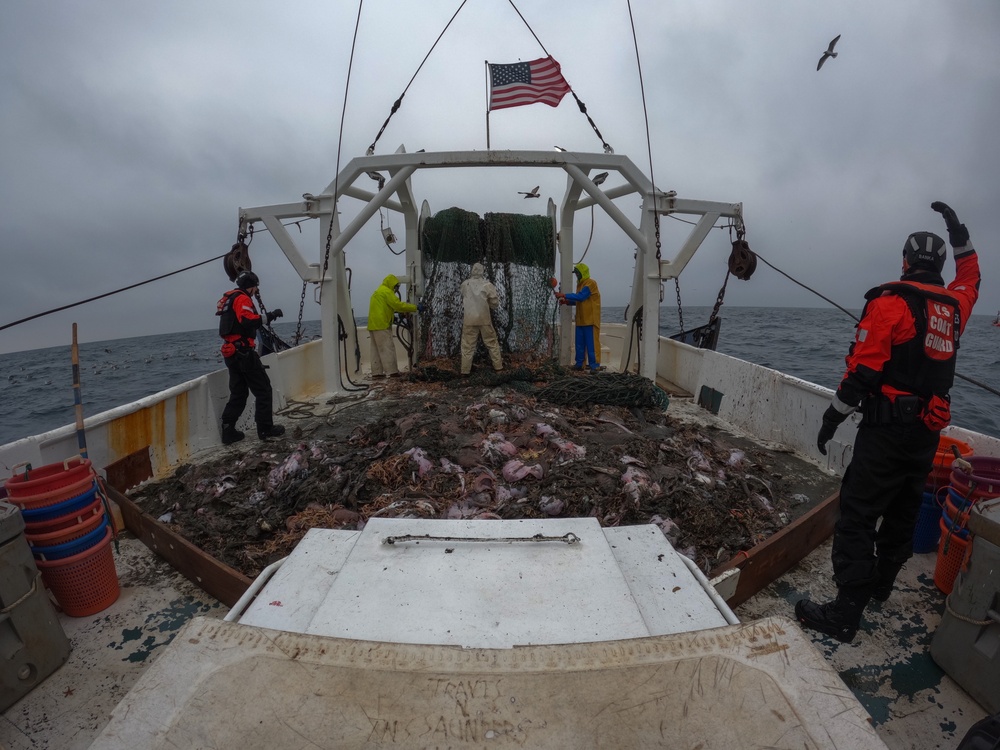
(516, 84)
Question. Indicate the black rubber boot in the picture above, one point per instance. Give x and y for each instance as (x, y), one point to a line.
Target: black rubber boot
(839, 618)
(231, 435)
(275, 430)
(886, 578)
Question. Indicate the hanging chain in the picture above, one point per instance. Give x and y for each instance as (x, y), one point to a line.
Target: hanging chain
(298, 327)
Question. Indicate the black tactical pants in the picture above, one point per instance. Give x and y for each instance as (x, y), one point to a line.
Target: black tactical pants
(247, 375)
(885, 479)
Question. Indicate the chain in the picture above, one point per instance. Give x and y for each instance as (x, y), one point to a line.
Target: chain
(298, 327)
(680, 309)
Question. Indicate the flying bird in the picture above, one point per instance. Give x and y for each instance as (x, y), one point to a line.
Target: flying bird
(532, 194)
(829, 52)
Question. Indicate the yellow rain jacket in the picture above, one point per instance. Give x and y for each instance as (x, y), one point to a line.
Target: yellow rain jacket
(384, 303)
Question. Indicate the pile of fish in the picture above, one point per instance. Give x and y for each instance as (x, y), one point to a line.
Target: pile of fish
(419, 450)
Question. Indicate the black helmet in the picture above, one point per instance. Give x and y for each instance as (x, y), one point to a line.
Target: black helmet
(247, 280)
(925, 248)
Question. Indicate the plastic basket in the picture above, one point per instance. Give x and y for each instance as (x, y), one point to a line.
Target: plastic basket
(83, 584)
(48, 480)
(951, 553)
(75, 547)
(66, 521)
(985, 473)
(80, 528)
(928, 529)
(943, 459)
(53, 497)
(59, 510)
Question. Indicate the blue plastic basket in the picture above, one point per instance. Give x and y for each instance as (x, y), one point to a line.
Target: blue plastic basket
(66, 507)
(928, 529)
(75, 547)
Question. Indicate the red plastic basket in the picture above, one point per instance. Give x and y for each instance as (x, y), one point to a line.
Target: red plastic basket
(68, 534)
(31, 489)
(83, 584)
(944, 458)
(66, 521)
(951, 554)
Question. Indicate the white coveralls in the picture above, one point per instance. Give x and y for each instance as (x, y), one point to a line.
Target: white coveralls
(479, 296)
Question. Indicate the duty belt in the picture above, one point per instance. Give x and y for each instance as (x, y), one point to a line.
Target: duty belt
(880, 410)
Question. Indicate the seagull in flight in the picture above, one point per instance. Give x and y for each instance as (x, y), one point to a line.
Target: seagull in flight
(829, 52)
(533, 193)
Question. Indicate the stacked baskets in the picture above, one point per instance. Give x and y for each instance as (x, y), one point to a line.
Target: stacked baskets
(964, 490)
(927, 533)
(68, 532)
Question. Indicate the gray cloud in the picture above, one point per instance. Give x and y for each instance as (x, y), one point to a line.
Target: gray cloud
(132, 132)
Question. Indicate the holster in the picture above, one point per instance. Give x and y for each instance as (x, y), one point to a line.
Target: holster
(879, 410)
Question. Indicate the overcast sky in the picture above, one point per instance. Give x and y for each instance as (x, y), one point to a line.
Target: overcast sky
(132, 132)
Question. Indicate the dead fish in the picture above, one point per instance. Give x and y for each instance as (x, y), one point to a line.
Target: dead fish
(496, 446)
(544, 430)
(506, 494)
(568, 451)
(294, 464)
(419, 457)
(515, 471)
(669, 528)
(631, 461)
(551, 506)
(619, 425)
(450, 468)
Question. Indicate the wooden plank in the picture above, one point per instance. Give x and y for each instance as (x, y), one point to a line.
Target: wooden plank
(782, 551)
(210, 575)
(127, 472)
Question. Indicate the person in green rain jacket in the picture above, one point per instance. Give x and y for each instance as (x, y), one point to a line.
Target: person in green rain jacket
(383, 304)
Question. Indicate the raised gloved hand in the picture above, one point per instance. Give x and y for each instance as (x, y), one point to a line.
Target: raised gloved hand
(274, 315)
(958, 235)
(831, 421)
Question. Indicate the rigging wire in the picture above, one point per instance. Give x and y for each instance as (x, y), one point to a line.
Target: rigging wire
(580, 105)
(959, 375)
(108, 294)
(336, 179)
(399, 101)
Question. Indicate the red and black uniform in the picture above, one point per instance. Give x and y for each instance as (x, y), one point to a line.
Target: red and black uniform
(239, 322)
(900, 369)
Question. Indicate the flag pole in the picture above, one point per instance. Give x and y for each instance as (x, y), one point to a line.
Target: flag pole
(487, 62)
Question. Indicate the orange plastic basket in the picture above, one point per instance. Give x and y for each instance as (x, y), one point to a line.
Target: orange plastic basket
(68, 534)
(28, 481)
(83, 584)
(944, 458)
(53, 496)
(951, 554)
(96, 508)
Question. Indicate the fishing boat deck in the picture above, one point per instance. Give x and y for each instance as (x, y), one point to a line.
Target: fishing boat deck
(912, 703)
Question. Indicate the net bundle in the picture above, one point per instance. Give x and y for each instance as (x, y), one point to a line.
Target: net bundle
(518, 254)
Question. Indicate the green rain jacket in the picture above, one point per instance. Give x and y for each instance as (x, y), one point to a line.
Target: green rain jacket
(384, 303)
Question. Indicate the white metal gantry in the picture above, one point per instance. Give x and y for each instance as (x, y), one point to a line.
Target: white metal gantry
(396, 194)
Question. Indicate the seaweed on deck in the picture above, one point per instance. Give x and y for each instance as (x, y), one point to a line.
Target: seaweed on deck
(431, 446)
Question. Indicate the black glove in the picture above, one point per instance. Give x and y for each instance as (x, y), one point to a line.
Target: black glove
(958, 235)
(831, 421)
(274, 314)
(421, 307)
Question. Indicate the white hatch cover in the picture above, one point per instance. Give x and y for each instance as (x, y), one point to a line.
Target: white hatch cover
(487, 584)
(228, 685)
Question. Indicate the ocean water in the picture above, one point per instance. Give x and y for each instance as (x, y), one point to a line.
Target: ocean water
(36, 387)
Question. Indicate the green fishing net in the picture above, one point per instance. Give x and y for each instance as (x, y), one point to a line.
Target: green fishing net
(518, 255)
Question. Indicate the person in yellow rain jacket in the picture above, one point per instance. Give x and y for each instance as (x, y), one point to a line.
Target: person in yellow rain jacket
(383, 304)
(587, 300)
